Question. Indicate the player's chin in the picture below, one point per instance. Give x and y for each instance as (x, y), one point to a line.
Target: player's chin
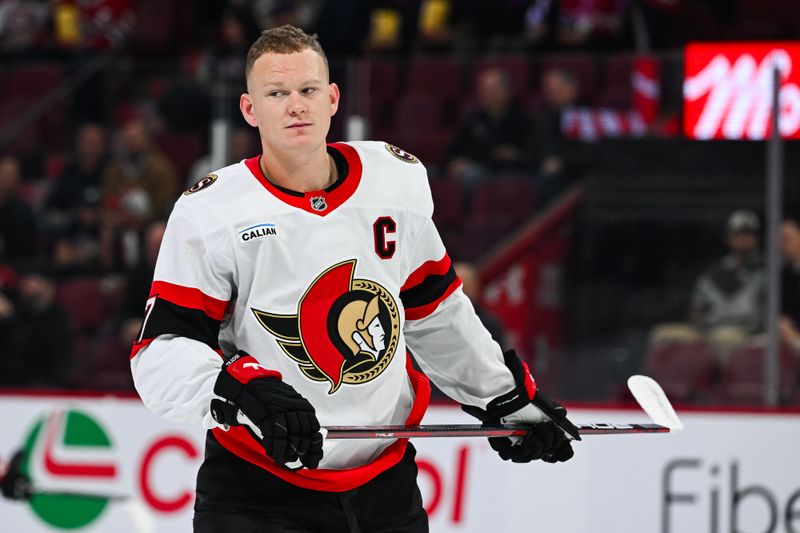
(306, 139)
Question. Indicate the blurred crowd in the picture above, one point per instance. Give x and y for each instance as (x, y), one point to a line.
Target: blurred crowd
(726, 329)
(86, 188)
(362, 26)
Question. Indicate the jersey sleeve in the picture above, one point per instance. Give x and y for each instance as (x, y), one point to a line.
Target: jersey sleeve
(443, 331)
(177, 357)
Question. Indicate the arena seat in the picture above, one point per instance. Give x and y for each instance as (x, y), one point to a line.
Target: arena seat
(448, 203)
(11, 110)
(617, 89)
(505, 201)
(686, 370)
(384, 78)
(182, 150)
(83, 300)
(744, 378)
(417, 127)
(33, 80)
(435, 77)
(112, 364)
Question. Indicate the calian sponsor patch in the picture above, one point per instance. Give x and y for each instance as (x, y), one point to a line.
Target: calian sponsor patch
(257, 231)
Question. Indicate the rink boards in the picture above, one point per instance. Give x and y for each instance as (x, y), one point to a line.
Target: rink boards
(728, 471)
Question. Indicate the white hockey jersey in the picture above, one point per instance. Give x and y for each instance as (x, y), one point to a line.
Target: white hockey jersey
(330, 288)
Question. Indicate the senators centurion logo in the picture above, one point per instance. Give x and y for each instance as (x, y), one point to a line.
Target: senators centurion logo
(202, 184)
(401, 154)
(346, 330)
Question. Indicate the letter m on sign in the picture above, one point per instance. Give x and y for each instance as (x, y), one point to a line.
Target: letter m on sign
(727, 90)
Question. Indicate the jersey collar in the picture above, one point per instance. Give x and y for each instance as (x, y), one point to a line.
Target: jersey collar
(324, 201)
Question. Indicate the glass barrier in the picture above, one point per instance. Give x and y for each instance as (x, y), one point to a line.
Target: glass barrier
(594, 238)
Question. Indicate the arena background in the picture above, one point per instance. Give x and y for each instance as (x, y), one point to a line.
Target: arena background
(635, 141)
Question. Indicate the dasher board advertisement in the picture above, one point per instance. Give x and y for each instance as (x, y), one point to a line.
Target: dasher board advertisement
(725, 472)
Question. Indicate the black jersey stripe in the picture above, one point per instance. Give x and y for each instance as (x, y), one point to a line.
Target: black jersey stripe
(168, 318)
(429, 290)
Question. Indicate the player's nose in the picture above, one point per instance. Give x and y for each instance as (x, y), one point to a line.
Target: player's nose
(296, 105)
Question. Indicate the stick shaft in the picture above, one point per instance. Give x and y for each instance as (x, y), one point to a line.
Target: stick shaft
(476, 430)
(80, 494)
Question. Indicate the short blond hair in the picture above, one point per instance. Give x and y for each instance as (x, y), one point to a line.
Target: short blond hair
(286, 39)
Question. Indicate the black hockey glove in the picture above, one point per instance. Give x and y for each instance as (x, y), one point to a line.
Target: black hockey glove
(286, 423)
(549, 440)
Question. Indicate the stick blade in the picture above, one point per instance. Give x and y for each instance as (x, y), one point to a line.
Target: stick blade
(654, 402)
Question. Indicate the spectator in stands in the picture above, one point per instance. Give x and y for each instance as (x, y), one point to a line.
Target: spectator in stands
(471, 285)
(137, 284)
(122, 238)
(242, 144)
(82, 175)
(95, 25)
(140, 172)
(273, 13)
(728, 299)
(76, 241)
(548, 148)
(37, 350)
(493, 138)
(7, 292)
(235, 33)
(789, 324)
(578, 23)
(18, 227)
(23, 25)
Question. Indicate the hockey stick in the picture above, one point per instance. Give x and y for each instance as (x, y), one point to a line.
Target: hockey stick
(649, 395)
(476, 430)
(645, 390)
(141, 517)
(16, 485)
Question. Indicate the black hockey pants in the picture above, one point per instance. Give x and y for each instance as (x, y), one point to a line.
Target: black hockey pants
(234, 496)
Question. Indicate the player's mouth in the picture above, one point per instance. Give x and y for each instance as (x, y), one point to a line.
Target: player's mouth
(298, 125)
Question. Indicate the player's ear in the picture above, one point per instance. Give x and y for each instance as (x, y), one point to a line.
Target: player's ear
(334, 93)
(246, 106)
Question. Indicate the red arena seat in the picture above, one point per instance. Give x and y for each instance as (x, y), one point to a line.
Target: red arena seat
(744, 378)
(685, 369)
(504, 201)
(84, 301)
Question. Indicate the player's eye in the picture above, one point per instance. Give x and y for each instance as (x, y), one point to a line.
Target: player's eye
(274, 94)
(309, 90)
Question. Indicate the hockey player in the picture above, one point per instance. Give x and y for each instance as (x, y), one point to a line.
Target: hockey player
(288, 291)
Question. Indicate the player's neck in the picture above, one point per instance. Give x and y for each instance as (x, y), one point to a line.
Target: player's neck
(311, 173)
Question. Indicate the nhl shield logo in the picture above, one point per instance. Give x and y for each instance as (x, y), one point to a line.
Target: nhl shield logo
(318, 203)
(346, 330)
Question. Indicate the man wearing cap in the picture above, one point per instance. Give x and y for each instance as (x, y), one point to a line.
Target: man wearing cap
(729, 297)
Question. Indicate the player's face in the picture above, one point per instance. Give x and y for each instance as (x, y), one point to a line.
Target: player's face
(290, 100)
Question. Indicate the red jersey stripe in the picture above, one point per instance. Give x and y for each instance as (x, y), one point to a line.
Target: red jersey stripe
(190, 297)
(139, 345)
(428, 268)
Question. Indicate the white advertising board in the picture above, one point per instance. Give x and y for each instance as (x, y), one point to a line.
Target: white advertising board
(727, 472)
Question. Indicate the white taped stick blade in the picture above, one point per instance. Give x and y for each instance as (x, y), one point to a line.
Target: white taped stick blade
(654, 402)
